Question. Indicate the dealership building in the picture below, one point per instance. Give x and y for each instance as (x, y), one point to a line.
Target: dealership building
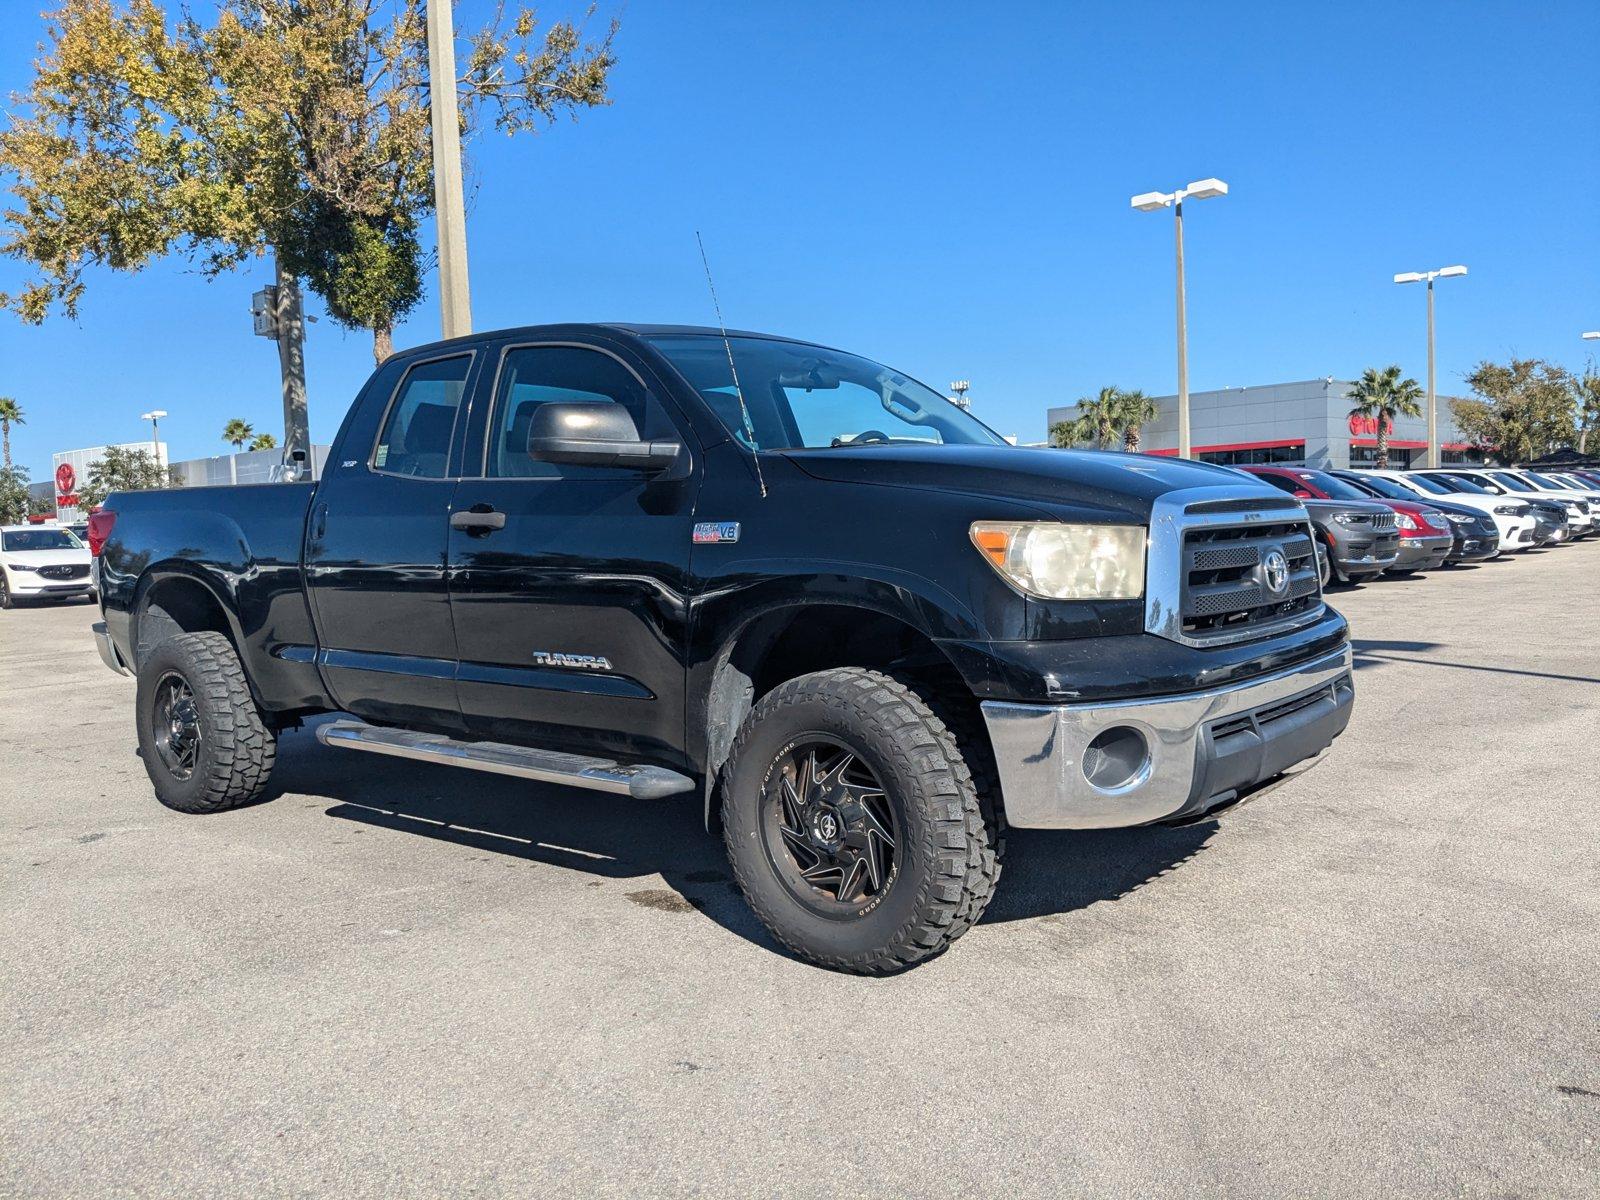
(1307, 422)
(70, 471)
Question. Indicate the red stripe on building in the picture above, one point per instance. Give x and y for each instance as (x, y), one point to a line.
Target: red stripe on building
(1402, 445)
(1222, 447)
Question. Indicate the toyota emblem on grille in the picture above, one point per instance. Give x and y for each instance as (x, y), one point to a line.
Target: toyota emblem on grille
(1275, 570)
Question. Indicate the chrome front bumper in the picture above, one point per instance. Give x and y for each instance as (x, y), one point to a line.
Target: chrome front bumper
(1200, 748)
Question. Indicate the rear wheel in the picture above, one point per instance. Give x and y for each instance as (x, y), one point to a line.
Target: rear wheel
(853, 825)
(201, 736)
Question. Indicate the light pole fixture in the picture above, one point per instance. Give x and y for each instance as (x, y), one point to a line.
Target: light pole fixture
(154, 417)
(960, 387)
(1434, 459)
(1201, 189)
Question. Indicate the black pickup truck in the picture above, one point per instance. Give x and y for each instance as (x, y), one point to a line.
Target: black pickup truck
(839, 611)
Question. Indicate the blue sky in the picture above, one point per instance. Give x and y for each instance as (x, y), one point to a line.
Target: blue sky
(945, 188)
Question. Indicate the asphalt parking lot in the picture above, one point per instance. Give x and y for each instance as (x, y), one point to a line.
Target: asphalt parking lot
(1377, 978)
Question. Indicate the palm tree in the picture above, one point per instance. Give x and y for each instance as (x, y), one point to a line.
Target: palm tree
(10, 414)
(263, 441)
(1134, 411)
(238, 432)
(1100, 416)
(1064, 435)
(1380, 396)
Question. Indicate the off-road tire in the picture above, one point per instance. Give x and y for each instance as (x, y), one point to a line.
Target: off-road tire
(947, 853)
(236, 749)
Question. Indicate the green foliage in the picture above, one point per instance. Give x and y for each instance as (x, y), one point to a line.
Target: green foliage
(1523, 408)
(121, 470)
(1103, 419)
(238, 431)
(1135, 410)
(301, 126)
(1381, 396)
(10, 414)
(14, 500)
(1588, 404)
(263, 441)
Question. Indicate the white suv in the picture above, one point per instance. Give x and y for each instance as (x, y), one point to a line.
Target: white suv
(44, 561)
(1528, 485)
(1513, 518)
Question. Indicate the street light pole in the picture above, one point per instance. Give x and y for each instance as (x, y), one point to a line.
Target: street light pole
(1434, 458)
(1202, 189)
(154, 417)
(448, 201)
(1183, 337)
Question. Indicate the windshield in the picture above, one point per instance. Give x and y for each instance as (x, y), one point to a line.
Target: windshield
(1333, 487)
(40, 539)
(1379, 486)
(806, 397)
(1459, 483)
(1545, 481)
(1437, 486)
(1511, 481)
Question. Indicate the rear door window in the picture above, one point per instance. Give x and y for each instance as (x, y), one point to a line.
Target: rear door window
(415, 439)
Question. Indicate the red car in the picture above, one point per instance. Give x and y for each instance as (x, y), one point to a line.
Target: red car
(1425, 537)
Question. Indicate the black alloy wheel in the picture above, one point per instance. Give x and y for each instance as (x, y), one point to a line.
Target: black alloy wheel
(175, 725)
(828, 827)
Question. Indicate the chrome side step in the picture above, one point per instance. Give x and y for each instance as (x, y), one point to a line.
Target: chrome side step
(547, 766)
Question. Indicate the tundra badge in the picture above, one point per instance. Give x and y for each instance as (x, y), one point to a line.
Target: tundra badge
(554, 658)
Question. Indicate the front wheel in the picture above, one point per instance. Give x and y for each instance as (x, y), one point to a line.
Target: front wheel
(853, 824)
(201, 736)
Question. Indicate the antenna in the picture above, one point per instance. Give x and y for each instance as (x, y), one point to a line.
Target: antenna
(744, 409)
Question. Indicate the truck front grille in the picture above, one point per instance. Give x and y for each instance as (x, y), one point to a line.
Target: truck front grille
(1226, 569)
(1227, 577)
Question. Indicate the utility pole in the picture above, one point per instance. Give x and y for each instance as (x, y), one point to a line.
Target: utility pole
(1184, 445)
(448, 202)
(289, 326)
(1202, 189)
(1435, 459)
(961, 387)
(154, 417)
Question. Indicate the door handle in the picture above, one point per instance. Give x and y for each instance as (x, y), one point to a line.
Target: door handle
(480, 518)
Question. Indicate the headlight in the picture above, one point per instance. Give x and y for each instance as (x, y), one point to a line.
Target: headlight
(1066, 562)
(1350, 518)
(1459, 518)
(20, 567)
(1404, 521)
(1436, 521)
(1508, 510)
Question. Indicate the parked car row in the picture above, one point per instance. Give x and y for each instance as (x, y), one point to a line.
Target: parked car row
(1389, 522)
(43, 562)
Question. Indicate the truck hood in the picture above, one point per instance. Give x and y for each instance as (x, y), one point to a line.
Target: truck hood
(1125, 484)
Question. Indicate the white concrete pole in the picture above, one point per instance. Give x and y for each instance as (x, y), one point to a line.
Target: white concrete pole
(448, 200)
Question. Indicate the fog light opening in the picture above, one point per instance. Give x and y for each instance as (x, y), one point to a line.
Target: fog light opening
(1116, 758)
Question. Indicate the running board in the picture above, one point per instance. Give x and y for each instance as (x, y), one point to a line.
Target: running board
(547, 766)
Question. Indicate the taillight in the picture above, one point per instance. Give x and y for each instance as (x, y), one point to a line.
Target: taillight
(100, 524)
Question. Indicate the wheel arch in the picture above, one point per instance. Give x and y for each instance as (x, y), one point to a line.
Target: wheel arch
(801, 635)
(175, 598)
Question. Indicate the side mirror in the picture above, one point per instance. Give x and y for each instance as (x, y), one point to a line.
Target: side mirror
(1302, 494)
(595, 434)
